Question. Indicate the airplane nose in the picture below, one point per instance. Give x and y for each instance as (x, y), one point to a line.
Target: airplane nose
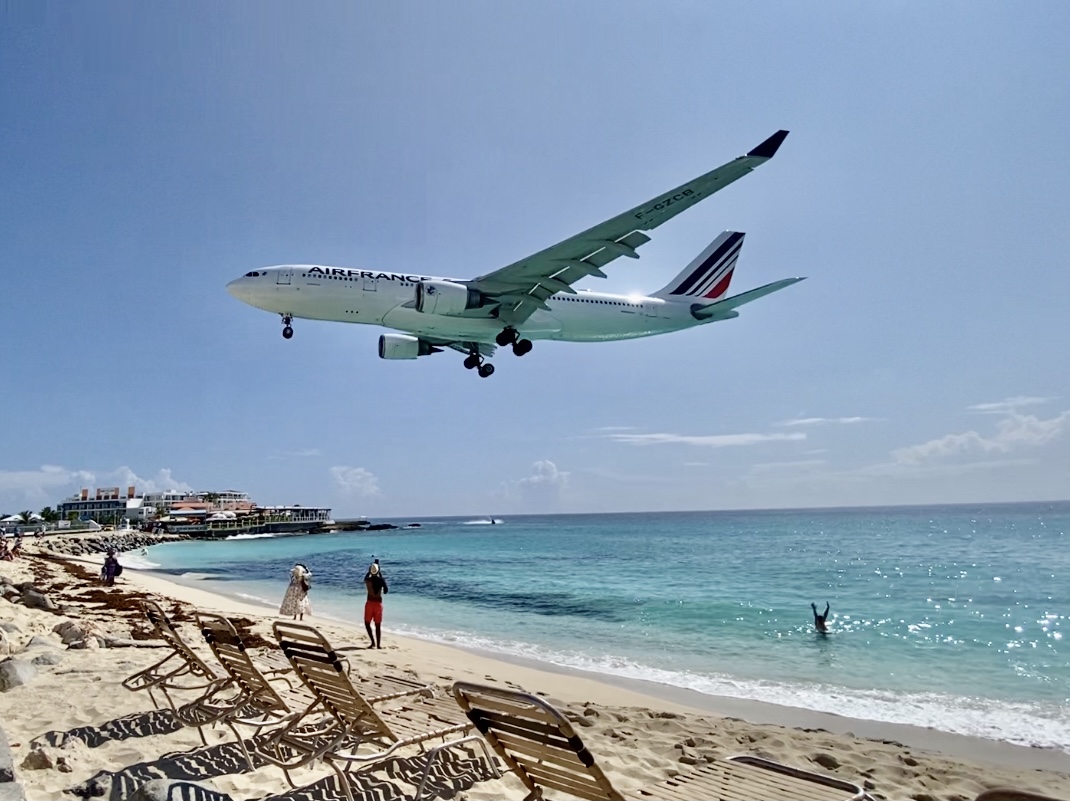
(235, 288)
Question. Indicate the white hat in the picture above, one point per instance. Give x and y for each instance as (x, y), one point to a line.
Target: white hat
(373, 569)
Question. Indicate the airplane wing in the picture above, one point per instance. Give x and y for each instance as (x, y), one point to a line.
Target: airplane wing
(523, 286)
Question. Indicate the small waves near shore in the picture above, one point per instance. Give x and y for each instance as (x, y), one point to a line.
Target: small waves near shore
(951, 617)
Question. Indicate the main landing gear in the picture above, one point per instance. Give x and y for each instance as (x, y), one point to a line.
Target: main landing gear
(475, 360)
(287, 329)
(510, 336)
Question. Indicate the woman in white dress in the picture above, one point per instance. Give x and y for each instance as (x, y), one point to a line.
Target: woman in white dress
(296, 602)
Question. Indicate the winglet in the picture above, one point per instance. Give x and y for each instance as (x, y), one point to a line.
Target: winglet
(768, 148)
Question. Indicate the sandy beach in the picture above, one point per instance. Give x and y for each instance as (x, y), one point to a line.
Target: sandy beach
(74, 730)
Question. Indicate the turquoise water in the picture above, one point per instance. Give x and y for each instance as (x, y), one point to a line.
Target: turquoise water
(953, 617)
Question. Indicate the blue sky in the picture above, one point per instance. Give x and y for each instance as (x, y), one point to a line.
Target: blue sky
(149, 153)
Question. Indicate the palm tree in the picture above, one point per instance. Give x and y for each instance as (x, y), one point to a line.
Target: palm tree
(49, 515)
(72, 516)
(26, 515)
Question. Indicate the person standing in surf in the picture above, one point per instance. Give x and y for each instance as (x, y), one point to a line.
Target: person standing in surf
(373, 607)
(819, 620)
(295, 603)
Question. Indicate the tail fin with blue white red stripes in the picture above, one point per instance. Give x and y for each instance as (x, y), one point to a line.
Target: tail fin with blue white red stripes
(707, 277)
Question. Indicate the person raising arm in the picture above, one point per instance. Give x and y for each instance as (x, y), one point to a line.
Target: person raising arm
(373, 607)
(820, 620)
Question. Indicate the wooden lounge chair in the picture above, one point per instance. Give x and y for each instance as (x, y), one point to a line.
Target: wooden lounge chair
(182, 669)
(538, 743)
(349, 728)
(247, 695)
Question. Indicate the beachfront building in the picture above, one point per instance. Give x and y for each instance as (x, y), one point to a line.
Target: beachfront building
(224, 501)
(199, 519)
(208, 513)
(305, 515)
(164, 500)
(105, 505)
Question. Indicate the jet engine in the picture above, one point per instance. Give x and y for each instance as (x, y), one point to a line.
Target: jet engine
(403, 346)
(446, 297)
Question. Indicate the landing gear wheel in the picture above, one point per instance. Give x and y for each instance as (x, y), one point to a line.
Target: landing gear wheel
(507, 336)
(471, 362)
(522, 346)
(287, 332)
(486, 370)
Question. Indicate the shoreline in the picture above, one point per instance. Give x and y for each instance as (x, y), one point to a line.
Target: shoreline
(671, 698)
(74, 729)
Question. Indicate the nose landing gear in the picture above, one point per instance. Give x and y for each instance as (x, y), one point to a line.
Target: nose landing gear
(287, 329)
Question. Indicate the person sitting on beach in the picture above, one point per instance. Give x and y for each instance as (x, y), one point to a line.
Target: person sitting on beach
(819, 620)
(5, 554)
(373, 607)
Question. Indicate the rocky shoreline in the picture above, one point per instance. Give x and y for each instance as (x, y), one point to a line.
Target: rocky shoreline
(84, 545)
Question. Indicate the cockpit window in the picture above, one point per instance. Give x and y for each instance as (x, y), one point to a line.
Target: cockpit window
(252, 274)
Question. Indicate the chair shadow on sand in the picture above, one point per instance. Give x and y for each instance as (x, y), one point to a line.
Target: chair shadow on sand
(142, 724)
(201, 763)
(455, 770)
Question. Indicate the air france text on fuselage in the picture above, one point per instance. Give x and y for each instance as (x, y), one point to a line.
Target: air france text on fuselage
(413, 279)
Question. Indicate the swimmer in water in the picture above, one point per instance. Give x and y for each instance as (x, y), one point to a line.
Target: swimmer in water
(819, 620)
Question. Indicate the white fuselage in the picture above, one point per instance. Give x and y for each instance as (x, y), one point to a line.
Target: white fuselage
(386, 299)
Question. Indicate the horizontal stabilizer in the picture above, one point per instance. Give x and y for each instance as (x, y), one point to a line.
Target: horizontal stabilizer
(726, 309)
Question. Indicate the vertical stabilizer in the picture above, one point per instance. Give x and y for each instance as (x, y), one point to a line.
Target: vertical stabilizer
(707, 277)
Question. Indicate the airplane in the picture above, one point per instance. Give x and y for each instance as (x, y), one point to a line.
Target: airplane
(531, 299)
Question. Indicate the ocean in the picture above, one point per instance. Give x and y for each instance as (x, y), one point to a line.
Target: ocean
(953, 617)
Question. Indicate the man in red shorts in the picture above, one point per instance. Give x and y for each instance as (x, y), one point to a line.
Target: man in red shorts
(373, 607)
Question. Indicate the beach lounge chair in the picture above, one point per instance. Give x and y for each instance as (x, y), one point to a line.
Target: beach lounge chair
(1011, 794)
(182, 669)
(247, 695)
(538, 743)
(348, 729)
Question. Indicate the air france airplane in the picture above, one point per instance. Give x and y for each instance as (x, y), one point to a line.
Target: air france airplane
(530, 299)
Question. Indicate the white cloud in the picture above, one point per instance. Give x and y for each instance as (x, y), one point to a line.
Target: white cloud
(1008, 405)
(302, 453)
(775, 467)
(544, 473)
(1014, 431)
(539, 491)
(900, 469)
(51, 484)
(43, 485)
(355, 481)
(124, 477)
(708, 441)
(646, 480)
(817, 421)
